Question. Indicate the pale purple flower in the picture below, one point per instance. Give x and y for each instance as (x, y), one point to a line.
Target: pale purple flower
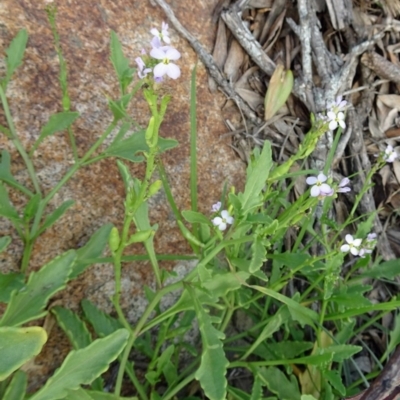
(390, 155)
(338, 105)
(352, 245)
(343, 186)
(216, 207)
(223, 220)
(142, 70)
(165, 67)
(319, 189)
(371, 237)
(156, 42)
(163, 35)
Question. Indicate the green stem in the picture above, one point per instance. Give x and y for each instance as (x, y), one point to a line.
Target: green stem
(179, 387)
(17, 142)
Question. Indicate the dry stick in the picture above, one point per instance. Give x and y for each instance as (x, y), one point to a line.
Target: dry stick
(209, 62)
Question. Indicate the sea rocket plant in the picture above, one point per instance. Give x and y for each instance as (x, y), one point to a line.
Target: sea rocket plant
(390, 155)
(352, 245)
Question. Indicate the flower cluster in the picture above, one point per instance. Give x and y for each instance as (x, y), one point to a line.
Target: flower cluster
(359, 247)
(335, 114)
(390, 154)
(322, 189)
(221, 221)
(159, 62)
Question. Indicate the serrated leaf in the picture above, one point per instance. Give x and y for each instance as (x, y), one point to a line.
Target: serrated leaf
(128, 148)
(394, 337)
(57, 123)
(8, 283)
(257, 174)
(212, 371)
(82, 366)
(6, 208)
(17, 387)
(195, 217)
(282, 350)
(387, 270)
(102, 323)
(4, 242)
(278, 383)
(91, 250)
(17, 346)
(55, 216)
(340, 352)
(335, 380)
(258, 255)
(73, 326)
(29, 303)
(32, 206)
(15, 52)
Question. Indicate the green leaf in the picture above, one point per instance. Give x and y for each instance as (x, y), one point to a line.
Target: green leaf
(4, 242)
(257, 174)
(258, 256)
(340, 352)
(15, 53)
(128, 148)
(73, 327)
(102, 323)
(120, 62)
(91, 250)
(32, 207)
(82, 394)
(256, 391)
(307, 397)
(387, 270)
(6, 176)
(335, 380)
(278, 383)
(212, 371)
(282, 350)
(17, 346)
(8, 283)
(17, 387)
(6, 208)
(54, 216)
(57, 123)
(394, 337)
(29, 303)
(195, 217)
(82, 366)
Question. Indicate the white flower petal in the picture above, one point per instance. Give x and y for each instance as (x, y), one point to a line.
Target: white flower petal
(217, 221)
(345, 248)
(160, 70)
(222, 226)
(325, 189)
(349, 239)
(157, 53)
(321, 177)
(333, 125)
(155, 32)
(331, 115)
(342, 124)
(354, 251)
(340, 116)
(344, 182)
(166, 39)
(312, 180)
(173, 71)
(173, 54)
(315, 191)
(229, 220)
(357, 242)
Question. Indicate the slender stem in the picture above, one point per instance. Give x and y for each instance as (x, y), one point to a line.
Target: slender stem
(17, 142)
(179, 387)
(122, 365)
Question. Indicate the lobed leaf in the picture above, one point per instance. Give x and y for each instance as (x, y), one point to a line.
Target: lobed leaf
(8, 283)
(15, 53)
(82, 366)
(29, 302)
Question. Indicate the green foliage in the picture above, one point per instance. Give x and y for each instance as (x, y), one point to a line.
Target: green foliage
(10, 282)
(29, 302)
(4, 242)
(17, 387)
(278, 383)
(17, 346)
(82, 366)
(15, 53)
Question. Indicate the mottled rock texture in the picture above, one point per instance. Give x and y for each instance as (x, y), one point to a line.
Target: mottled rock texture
(34, 94)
